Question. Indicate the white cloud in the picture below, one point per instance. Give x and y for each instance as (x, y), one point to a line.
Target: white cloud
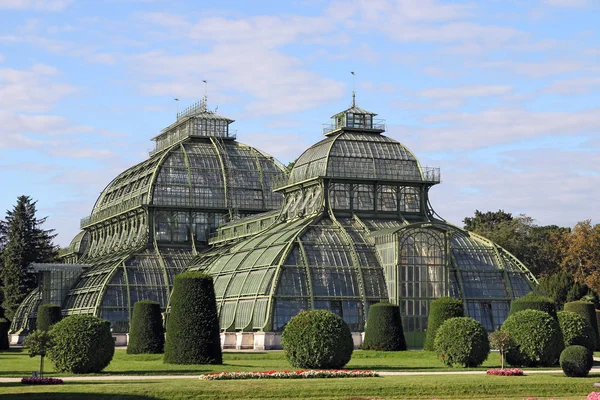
(37, 5)
(466, 91)
(567, 3)
(579, 85)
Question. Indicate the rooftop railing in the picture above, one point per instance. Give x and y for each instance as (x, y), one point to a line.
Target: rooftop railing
(177, 136)
(377, 124)
(117, 209)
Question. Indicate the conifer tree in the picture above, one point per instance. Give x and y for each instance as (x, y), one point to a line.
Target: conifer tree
(24, 242)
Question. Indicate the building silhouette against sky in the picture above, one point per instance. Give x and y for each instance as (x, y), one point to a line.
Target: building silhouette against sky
(350, 226)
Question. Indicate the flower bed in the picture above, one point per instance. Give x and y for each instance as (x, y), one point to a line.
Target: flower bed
(593, 396)
(506, 372)
(41, 381)
(302, 374)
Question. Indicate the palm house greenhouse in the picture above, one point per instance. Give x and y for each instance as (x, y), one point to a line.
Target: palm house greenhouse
(349, 226)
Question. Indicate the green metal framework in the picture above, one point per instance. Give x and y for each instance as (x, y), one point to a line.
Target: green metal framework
(152, 219)
(356, 227)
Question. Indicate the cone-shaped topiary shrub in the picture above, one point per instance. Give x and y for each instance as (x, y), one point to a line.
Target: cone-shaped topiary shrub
(193, 335)
(82, 344)
(533, 302)
(317, 339)
(588, 311)
(439, 311)
(462, 342)
(4, 328)
(47, 315)
(576, 361)
(536, 339)
(384, 328)
(575, 330)
(146, 334)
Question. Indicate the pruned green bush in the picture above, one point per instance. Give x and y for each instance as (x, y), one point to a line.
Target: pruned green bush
(317, 339)
(576, 361)
(82, 344)
(47, 315)
(439, 311)
(462, 342)
(533, 302)
(4, 328)
(193, 335)
(146, 335)
(536, 339)
(575, 330)
(588, 311)
(384, 328)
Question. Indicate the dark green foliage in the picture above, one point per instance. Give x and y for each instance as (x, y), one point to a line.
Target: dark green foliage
(439, 311)
(533, 302)
(588, 312)
(24, 242)
(556, 287)
(38, 343)
(193, 335)
(576, 361)
(4, 328)
(598, 320)
(146, 334)
(536, 339)
(462, 342)
(384, 328)
(575, 330)
(47, 315)
(317, 339)
(82, 344)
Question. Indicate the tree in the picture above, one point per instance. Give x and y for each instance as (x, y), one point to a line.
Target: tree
(582, 258)
(500, 340)
(38, 344)
(25, 242)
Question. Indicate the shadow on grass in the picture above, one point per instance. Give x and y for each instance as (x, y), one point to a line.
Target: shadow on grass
(74, 396)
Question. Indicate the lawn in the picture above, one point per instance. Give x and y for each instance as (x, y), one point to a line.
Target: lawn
(16, 363)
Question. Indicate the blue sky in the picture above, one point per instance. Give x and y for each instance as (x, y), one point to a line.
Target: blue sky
(504, 96)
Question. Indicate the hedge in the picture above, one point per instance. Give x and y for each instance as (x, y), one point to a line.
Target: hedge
(317, 339)
(575, 330)
(576, 361)
(47, 315)
(193, 335)
(536, 339)
(146, 335)
(533, 302)
(4, 328)
(439, 311)
(83, 344)
(384, 328)
(588, 311)
(462, 342)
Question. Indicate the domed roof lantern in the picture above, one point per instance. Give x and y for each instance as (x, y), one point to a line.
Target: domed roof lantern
(354, 119)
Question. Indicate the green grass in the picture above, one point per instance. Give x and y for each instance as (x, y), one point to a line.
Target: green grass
(17, 363)
(555, 386)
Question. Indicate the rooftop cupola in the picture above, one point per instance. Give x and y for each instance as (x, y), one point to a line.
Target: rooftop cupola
(195, 121)
(354, 119)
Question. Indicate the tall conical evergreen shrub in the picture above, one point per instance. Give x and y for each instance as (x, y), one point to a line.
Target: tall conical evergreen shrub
(588, 311)
(193, 335)
(4, 328)
(146, 335)
(439, 311)
(384, 328)
(47, 315)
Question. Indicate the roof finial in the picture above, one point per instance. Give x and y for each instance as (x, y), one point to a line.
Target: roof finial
(205, 100)
(353, 91)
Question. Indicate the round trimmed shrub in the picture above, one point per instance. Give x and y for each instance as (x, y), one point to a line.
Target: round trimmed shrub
(384, 328)
(4, 328)
(47, 315)
(193, 334)
(533, 302)
(576, 361)
(462, 342)
(146, 335)
(536, 339)
(82, 344)
(317, 339)
(575, 330)
(439, 311)
(588, 311)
